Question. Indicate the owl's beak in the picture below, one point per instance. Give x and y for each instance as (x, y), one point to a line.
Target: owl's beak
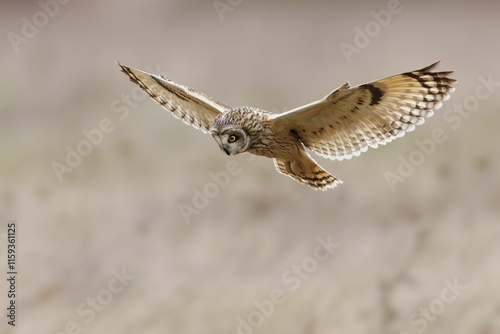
(219, 142)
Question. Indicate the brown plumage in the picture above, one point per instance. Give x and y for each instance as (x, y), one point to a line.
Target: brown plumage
(341, 125)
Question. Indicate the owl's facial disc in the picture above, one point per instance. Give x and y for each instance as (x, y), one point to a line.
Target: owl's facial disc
(231, 140)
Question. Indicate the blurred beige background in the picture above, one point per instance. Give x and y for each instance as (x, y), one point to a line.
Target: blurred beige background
(108, 250)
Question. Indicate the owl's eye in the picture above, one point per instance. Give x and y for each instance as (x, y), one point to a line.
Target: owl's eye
(232, 138)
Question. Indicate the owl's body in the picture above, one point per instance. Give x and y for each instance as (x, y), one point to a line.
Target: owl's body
(272, 140)
(341, 125)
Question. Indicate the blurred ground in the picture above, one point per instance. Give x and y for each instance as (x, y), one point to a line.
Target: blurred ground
(107, 250)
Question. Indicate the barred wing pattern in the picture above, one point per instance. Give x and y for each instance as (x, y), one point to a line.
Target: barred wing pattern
(192, 107)
(349, 120)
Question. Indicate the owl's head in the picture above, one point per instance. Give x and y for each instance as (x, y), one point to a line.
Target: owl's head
(238, 130)
(234, 130)
(232, 139)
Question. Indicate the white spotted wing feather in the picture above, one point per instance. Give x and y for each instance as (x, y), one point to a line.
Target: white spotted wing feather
(349, 120)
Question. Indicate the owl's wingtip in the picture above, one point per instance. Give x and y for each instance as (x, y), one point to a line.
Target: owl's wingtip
(430, 67)
(120, 64)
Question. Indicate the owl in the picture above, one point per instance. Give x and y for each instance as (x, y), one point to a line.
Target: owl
(341, 125)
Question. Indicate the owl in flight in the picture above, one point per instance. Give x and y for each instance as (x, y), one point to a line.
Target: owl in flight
(343, 124)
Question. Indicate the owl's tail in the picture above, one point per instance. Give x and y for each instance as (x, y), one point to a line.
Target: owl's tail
(307, 171)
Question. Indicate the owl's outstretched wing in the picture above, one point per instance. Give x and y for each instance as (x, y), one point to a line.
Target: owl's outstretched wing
(349, 120)
(190, 106)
